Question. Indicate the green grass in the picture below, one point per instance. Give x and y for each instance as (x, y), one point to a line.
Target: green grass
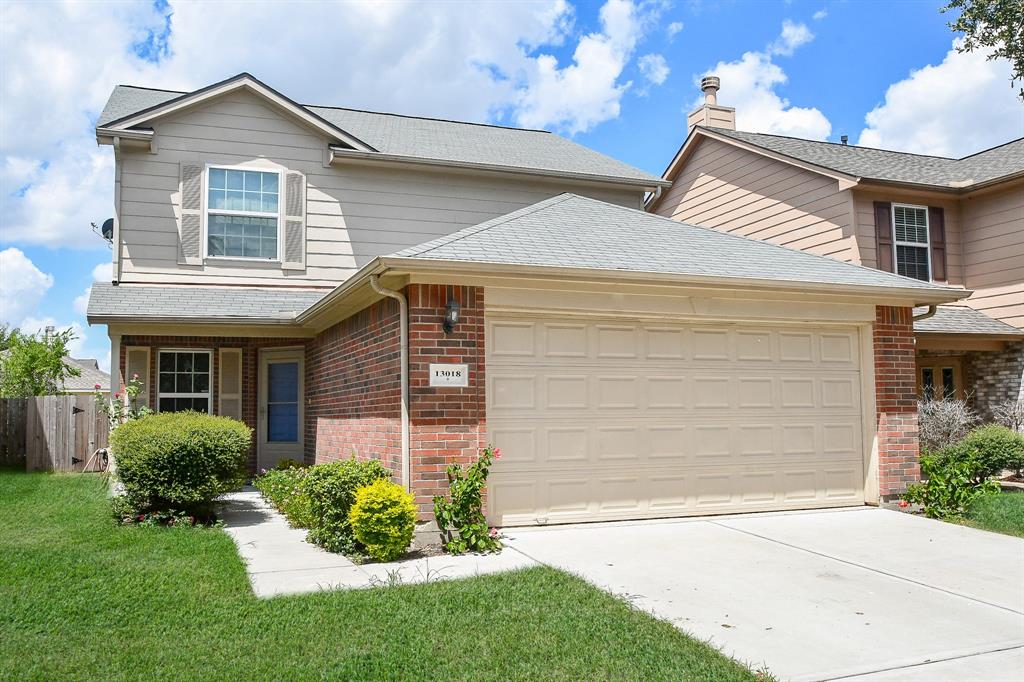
(83, 598)
(1002, 513)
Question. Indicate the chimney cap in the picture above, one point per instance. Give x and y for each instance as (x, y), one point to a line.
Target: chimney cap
(710, 82)
(844, 138)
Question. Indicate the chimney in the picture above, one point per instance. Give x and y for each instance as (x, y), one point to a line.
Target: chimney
(710, 114)
(845, 139)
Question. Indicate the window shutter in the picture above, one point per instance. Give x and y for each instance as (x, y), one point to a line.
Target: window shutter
(190, 230)
(137, 362)
(937, 235)
(294, 252)
(883, 236)
(230, 388)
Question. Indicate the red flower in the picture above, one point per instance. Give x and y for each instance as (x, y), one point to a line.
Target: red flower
(142, 517)
(117, 395)
(904, 504)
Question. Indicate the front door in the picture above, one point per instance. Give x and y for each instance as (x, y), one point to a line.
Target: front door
(940, 377)
(280, 407)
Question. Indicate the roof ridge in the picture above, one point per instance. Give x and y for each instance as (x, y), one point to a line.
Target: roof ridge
(840, 144)
(486, 225)
(363, 111)
(990, 149)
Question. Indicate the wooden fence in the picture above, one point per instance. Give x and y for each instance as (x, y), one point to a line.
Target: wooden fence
(52, 433)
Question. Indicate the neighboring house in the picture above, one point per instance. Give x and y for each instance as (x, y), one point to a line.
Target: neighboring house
(951, 221)
(90, 376)
(412, 289)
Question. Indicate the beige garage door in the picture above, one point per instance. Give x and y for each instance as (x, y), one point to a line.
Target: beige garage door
(602, 420)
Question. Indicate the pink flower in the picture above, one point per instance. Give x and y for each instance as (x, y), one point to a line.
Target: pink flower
(494, 532)
(97, 387)
(497, 453)
(117, 395)
(135, 376)
(904, 504)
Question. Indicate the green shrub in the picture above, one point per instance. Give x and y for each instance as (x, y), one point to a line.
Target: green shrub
(950, 485)
(284, 489)
(461, 519)
(993, 447)
(383, 519)
(180, 460)
(331, 488)
(288, 463)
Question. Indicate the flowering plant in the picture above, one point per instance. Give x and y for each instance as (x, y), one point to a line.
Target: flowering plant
(461, 519)
(124, 406)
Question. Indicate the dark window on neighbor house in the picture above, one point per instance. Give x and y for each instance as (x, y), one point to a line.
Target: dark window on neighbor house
(183, 381)
(910, 236)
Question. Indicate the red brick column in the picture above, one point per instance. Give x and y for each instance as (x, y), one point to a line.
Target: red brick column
(448, 424)
(895, 400)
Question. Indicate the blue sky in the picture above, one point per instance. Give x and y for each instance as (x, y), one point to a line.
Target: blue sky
(617, 76)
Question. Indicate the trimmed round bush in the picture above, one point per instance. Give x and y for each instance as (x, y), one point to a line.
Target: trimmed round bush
(994, 447)
(383, 519)
(331, 488)
(180, 460)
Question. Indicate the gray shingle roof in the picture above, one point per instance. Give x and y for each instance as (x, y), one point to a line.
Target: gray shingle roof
(428, 138)
(139, 302)
(880, 164)
(576, 232)
(950, 319)
(90, 375)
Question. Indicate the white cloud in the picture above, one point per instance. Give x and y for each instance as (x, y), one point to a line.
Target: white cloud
(654, 68)
(59, 62)
(820, 14)
(587, 92)
(792, 37)
(957, 107)
(749, 85)
(673, 29)
(22, 286)
(101, 273)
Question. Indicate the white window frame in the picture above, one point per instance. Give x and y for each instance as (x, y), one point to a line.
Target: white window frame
(927, 245)
(209, 391)
(279, 216)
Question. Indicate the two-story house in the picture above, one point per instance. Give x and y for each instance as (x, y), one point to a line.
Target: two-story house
(954, 221)
(410, 289)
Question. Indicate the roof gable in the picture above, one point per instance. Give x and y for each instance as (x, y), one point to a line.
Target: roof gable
(163, 103)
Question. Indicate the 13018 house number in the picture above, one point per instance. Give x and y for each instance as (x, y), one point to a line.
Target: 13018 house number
(449, 375)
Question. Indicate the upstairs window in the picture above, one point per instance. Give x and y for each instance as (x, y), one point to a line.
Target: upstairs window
(910, 237)
(242, 213)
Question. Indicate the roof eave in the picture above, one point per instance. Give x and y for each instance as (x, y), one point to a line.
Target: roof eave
(191, 320)
(341, 155)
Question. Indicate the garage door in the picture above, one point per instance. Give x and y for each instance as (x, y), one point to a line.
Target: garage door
(604, 420)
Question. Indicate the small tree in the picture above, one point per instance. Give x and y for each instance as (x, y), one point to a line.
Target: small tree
(34, 364)
(1010, 413)
(942, 423)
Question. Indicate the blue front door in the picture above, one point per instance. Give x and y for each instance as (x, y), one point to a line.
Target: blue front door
(279, 429)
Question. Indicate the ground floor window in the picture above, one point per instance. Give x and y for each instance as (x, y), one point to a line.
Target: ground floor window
(939, 378)
(184, 381)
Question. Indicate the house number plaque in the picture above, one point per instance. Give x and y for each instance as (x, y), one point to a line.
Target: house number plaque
(449, 375)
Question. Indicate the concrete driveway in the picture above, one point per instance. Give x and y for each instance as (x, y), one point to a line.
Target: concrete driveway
(861, 594)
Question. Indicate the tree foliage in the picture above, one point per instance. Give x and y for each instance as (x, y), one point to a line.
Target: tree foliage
(994, 24)
(34, 364)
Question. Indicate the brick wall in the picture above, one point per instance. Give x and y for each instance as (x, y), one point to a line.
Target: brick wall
(998, 377)
(895, 400)
(250, 350)
(447, 424)
(353, 389)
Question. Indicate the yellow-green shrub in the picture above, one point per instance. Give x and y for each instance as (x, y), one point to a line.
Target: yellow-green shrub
(383, 519)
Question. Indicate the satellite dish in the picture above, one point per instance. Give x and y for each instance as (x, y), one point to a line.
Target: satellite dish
(108, 229)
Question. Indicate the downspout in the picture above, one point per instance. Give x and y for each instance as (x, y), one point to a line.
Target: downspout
(926, 314)
(116, 240)
(403, 342)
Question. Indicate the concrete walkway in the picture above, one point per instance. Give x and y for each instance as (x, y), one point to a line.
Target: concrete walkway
(280, 561)
(862, 594)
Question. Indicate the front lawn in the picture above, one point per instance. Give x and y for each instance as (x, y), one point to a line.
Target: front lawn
(1002, 513)
(84, 598)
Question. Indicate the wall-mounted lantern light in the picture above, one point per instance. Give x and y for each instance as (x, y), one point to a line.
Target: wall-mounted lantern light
(451, 315)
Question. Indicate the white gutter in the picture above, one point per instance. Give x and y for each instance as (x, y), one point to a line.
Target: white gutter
(403, 341)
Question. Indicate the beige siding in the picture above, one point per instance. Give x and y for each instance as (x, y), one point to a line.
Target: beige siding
(994, 253)
(864, 204)
(734, 190)
(353, 213)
